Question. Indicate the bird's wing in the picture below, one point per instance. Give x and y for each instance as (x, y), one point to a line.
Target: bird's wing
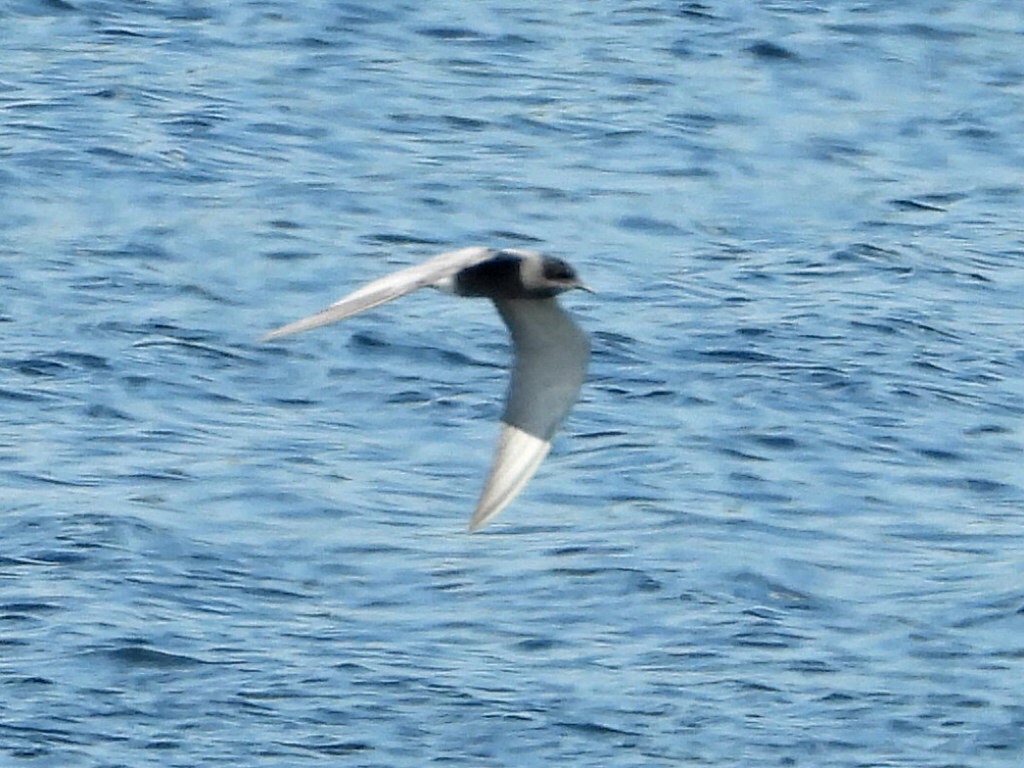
(550, 362)
(386, 288)
(516, 458)
(551, 354)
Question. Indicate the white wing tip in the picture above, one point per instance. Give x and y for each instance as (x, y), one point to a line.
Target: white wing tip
(325, 316)
(271, 335)
(295, 327)
(516, 458)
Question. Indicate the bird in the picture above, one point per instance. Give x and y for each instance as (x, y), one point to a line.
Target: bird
(550, 351)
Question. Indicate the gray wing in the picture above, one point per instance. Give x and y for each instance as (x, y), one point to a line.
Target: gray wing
(387, 288)
(551, 354)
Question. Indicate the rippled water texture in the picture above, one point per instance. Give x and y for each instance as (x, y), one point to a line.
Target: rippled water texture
(784, 524)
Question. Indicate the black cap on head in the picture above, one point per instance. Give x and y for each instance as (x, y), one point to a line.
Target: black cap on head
(558, 271)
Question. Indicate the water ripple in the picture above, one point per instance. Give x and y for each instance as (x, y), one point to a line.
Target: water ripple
(782, 525)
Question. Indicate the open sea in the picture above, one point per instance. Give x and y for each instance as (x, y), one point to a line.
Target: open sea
(784, 526)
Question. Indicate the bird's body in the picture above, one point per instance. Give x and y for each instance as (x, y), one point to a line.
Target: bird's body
(550, 351)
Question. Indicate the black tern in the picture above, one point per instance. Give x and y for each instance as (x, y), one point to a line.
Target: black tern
(550, 352)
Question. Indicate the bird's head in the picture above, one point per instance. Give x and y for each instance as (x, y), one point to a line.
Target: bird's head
(515, 273)
(558, 276)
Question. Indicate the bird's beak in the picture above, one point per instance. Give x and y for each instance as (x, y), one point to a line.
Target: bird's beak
(584, 287)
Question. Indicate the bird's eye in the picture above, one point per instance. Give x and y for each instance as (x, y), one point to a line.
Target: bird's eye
(555, 269)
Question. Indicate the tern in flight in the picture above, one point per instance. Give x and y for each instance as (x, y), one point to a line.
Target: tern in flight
(550, 352)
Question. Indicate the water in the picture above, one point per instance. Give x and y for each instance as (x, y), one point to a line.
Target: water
(782, 527)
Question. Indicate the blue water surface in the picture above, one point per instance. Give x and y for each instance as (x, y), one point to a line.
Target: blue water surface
(783, 527)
